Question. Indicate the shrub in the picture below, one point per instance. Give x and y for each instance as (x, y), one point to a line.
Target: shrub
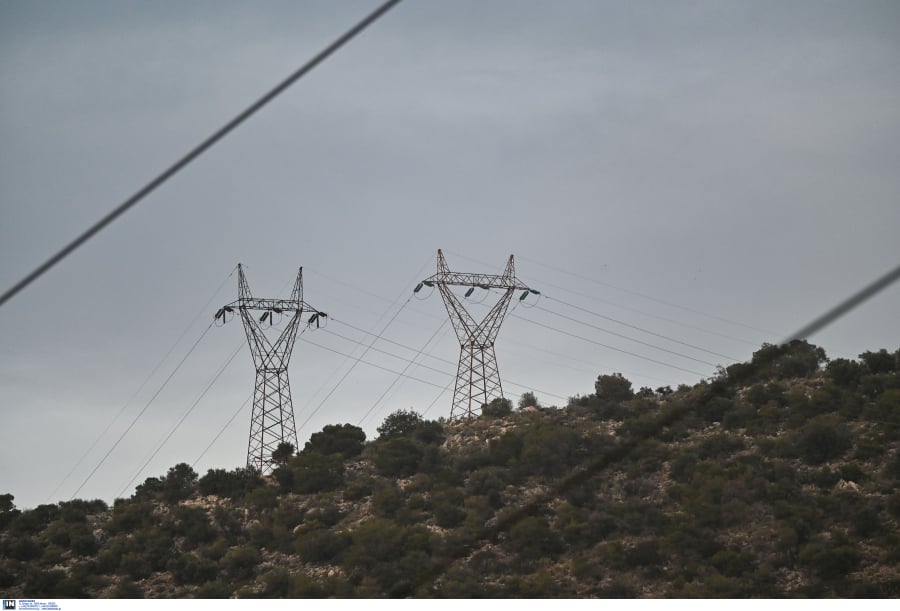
(532, 538)
(241, 562)
(447, 506)
(396, 457)
(191, 569)
(344, 439)
(823, 438)
(400, 423)
(613, 388)
(126, 589)
(315, 472)
(321, 545)
(879, 362)
(234, 484)
(528, 400)
(830, 562)
(498, 408)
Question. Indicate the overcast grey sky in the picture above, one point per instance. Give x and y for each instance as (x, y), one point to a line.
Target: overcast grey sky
(734, 158)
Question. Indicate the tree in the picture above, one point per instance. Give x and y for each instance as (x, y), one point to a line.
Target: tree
(401, 423)
(397, 457)
(179, 482)
(344, 439)
(283, 453)
(879, 362)
(234, 484)
(615, 388)
(527, 400)
(795, 359)
(497, 408)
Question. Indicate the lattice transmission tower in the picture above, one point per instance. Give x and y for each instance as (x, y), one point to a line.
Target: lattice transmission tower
(477, 375)
(272, 420)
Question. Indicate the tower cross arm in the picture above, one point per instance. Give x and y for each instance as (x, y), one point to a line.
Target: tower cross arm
(483, 280)
(285, 305)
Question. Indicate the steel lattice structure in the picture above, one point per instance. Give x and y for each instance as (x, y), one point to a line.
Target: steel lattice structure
(477, 375)
(272, 420)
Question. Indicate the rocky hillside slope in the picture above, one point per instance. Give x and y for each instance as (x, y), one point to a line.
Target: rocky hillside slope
(776, 478)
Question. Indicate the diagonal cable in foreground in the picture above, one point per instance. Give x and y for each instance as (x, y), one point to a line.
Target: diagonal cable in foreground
(197, 150)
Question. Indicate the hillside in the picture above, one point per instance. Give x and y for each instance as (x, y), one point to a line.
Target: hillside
(776, 478)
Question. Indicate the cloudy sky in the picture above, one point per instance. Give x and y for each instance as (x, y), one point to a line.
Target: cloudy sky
(682, 181)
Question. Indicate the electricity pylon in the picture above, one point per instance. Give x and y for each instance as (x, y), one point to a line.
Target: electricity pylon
(272, 420)
(477, 375)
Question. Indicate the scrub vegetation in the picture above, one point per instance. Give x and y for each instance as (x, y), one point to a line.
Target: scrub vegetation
(775, 478)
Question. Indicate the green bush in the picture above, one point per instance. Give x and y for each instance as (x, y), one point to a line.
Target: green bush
(396, 456)
(613, 388)
(315, 472)
(531, 538)
(240, 562)
(233, 484)
(830, 562)
(344, 439)
(447, 506)
(498, 408)
(823, 438)
(192, 569)
(321, 545)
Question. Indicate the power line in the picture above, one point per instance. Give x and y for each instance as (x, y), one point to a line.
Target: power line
(141, 387)
(222, 430)
(355, 363)
(646, 358)
(648, 314)
(198, 150)
(183, 418)
(141, 413)
(359, 360)
(630, 309)
(650, 297)
(402, 373)
(431, 356)
(631, 339)
(636, 327)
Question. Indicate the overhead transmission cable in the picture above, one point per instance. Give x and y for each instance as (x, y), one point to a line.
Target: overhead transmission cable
(651, 298)
(431, 356)
(199, 149)
(376, 337)
(402, 373)
(143, 384)
(187, 413)
(631, 339)
(646, 358)
(353, 366)
(680, 323)
(141, 413)
(636, 327)
(511, 341)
